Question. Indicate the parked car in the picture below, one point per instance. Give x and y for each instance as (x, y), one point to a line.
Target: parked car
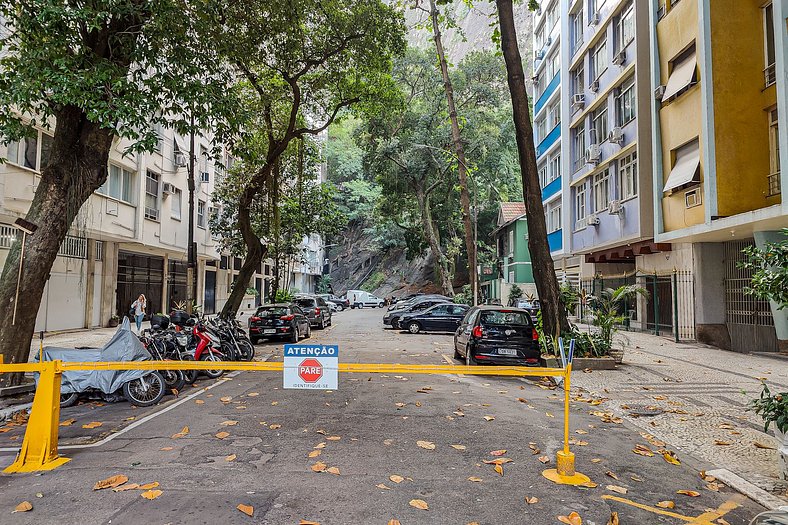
(331, 298)
(279, 321)
(360, 299)
(402, 305)
(532, 306)
(497, 335)
(316, 310)
(392, 317)
(439, 318)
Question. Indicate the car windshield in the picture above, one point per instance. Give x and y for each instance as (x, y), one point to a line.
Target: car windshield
(504, 317)
(273, 311)
(306, 303)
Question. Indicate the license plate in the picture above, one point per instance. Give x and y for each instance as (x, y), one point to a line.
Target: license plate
(269, 331)
(507, 351)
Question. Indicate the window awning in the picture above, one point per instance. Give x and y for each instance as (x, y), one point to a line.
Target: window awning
(686, 169)
(681, 77)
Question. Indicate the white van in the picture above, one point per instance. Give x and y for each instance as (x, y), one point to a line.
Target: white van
(360, 299)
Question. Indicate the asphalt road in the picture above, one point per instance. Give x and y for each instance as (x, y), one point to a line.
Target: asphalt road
(368, 429)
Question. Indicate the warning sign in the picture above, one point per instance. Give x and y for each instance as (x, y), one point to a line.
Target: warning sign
(311, 367)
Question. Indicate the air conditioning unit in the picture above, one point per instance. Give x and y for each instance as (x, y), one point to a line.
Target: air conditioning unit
(593, 19)
(616, 135)
(578, 100)
(205, 177)
(659, 92)
(620, 58)
(594, 86)
(593, 220)
(180, 160)
(593, 154)
(616, 208)
(167, 188)
(540, 55)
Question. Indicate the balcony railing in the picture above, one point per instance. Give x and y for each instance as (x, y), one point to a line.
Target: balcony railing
(578, 163)
(774, 184)
(770, 75)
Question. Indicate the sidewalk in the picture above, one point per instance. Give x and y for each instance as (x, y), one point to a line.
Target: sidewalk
(700, 394)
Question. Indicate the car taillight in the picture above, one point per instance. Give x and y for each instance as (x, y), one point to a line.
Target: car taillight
(287, 317)
(477, 332)
(254, 318)
(534, 334)
(317, 311)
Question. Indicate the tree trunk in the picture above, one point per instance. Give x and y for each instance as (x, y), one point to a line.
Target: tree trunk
(432, 239)
(77, 167)
(459, 150)
(553, 314)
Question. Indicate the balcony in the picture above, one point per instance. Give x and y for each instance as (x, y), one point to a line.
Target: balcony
(555, 241)
(770, 75)
(545, 96)
(551, 189)
(548, 141)
(774, 184)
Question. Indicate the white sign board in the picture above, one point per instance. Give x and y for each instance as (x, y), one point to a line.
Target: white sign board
(313, 367)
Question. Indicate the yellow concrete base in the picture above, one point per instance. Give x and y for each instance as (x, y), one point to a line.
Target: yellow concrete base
(562, 479)
(21, 466)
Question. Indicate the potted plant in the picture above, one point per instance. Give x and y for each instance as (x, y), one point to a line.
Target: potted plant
(773, 408)
(607, 310)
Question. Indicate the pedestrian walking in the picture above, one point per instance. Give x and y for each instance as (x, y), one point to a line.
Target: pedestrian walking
(138, 307)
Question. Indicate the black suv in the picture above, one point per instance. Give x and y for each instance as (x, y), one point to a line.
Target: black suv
(316, 310)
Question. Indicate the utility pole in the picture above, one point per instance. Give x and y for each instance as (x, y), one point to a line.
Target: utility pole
(192, 253)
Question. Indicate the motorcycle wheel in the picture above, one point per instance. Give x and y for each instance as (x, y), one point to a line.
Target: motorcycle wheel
(247, 349)
(173, 379)
(67, 400)
(145, 391)
(189, 375)
(213, 374)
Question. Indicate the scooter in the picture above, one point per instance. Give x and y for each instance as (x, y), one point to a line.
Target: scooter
(772, 517)
(207, 349)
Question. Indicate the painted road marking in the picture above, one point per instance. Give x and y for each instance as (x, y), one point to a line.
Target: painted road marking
(704, 519)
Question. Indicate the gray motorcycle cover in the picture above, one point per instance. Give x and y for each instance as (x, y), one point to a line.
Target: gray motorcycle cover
(124, 346)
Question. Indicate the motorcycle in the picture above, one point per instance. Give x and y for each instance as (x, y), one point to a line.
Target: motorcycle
(772, 517)
(207, 348)
(140, 387)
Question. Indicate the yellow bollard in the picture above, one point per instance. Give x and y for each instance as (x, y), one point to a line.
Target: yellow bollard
(39, 448)
(564, 473)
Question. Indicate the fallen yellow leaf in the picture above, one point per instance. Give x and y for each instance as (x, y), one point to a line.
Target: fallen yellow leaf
(613, 519)
(419, 504)
(92, 424)
(228, 423)
(544, 459)
(670, 457)
(226, 399)
(721, 443)
(23, 507)
(231, 457)
(458, 447)
(333, 470)
(429, 445)
(690, 493)
(184, 431)
(573, 519)
(166, 448)
(253, 394)
(67, 422)
(318, 467)
(499, 469)
(246, 509)
(497, 461)
(396, 479)
(306, 522)
(199, 401)
(532, 500)
(111, 482)
(667, 504)
(761, 445)
(394, 522)
(616, 488)
(151, 485)
(475, 479)
(151, 494)
(611, 474)
(315, 453)
(222, 435)
(275, 426)
(333, 438)
(498, 452)
(320, 445)
(596, 460)
(489, 418)
(382, 486)
(127, 486)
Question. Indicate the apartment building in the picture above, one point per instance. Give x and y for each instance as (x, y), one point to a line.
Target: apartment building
(130, 237)
(719, 87)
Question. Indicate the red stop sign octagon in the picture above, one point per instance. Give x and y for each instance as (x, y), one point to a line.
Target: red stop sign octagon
(310, 370)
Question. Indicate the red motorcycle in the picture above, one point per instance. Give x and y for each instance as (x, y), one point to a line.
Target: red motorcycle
(207, 349)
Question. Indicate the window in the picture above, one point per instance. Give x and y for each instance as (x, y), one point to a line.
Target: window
(540, 85)
(683, 74)
(768, 20)
(599, 59)
(540, 38)
(554, 114)
(628, 176)
(511, 242)
(580, 206)
(625, 27)
(541, 129)
(24, 152)
(175, 211)
(157, 147)
(555, 64)
(554, 219)
(118, 184)
(602, 190)
(579, 146)
(201, 214)
(543, 180)
(576, 25)
(555, 167)
(578, 80)
(685, 168)
(625, 102)
(552, 17)
(152, 196)
(599, 125)
(774, 154)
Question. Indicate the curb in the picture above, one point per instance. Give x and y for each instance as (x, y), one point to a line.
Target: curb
(7, 412)
(770, 501)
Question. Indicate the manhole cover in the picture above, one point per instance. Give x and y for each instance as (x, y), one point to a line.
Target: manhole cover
(644, 411)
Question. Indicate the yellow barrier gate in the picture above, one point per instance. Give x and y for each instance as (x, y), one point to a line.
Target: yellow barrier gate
(39, 447)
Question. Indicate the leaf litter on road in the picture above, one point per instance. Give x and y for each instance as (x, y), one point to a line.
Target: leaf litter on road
(151, 494)
(111, 482)
(429, 445)
(419, 504)
(25, 506)
(246, 509)
(572, 519)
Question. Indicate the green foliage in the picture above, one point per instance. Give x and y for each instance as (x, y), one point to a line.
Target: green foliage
(773, 408)
(609, 308)
(465, 296)
(569, 297)
(374, 281)
(770, 271)
(252, 291)
(515, 292)
(324, 284)
(283, 296)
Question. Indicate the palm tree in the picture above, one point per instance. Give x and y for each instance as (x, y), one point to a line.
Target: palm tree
(609, 308)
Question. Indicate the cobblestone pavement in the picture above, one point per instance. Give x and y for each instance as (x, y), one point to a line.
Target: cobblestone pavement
(700, 395)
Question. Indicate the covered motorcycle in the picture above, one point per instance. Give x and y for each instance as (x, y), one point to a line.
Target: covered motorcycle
(140, 387)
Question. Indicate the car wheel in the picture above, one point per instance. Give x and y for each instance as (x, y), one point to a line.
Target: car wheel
(414, 327)
(308, 331)
(457, 354)
(469, 361)
(322, 323)
(294, 336)
(340, 308)
(381, 305)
